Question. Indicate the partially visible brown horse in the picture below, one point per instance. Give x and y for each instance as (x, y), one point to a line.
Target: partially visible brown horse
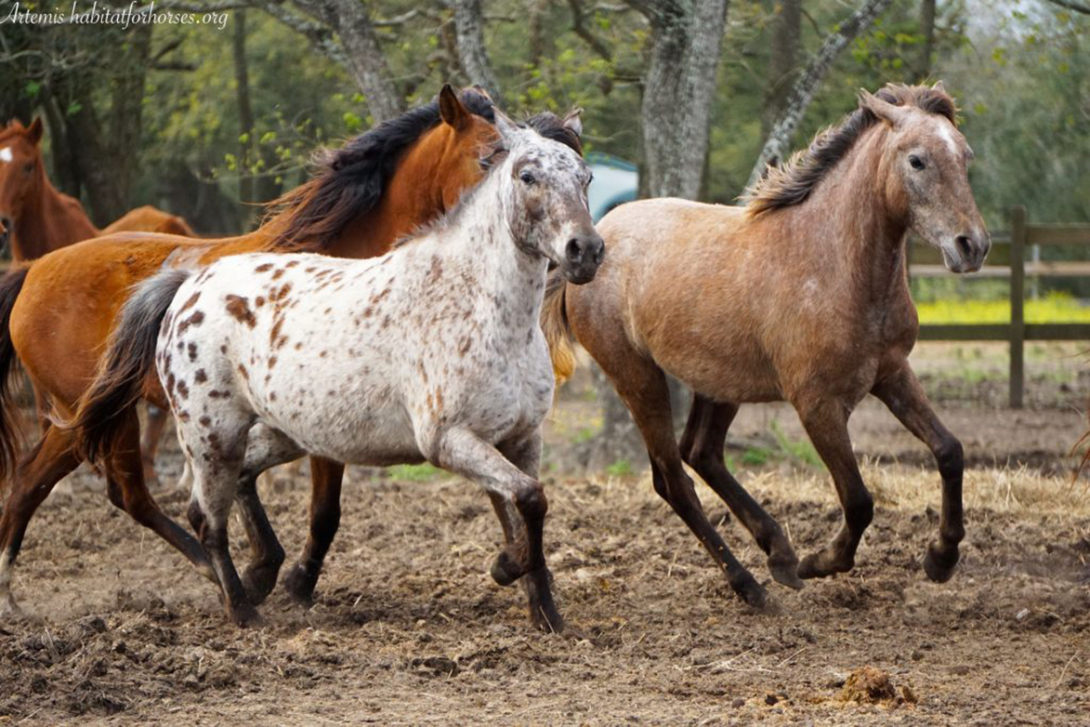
(375, 190)
(39, 219)
(801, 296)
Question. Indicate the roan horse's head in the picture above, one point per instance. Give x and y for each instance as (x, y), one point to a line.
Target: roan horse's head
(926, 165)
(20, 160)
(544, 185)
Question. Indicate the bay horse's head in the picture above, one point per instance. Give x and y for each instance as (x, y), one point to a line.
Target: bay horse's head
(20, 167)
(925, 163)
(544, 190)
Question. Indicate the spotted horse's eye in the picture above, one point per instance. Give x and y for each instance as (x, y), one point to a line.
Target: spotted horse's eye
(527, 177)
(917, 163)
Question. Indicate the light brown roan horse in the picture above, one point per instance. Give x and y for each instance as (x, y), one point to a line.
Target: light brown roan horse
(802, 297)
(38, 218)
(376, 189)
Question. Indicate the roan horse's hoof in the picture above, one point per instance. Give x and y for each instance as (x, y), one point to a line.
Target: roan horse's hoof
(940, 566)
(506, 570)
(300, 586)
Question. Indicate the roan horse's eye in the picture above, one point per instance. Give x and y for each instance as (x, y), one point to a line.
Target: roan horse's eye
(527, 177)
(916, 163)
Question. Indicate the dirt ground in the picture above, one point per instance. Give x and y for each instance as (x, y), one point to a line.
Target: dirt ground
(408, 627)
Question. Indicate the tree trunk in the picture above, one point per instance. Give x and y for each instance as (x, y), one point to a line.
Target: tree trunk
(927, 30)
(246, 157)
(678, 92)
(363, 56)
(786, 39)
(676, 105)
(469, 27)
(778, 142)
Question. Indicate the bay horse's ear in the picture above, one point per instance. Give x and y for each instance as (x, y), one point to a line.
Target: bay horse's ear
(940, 87)
(451, 110)
(573, 122)
(34, 131)
(882, 109)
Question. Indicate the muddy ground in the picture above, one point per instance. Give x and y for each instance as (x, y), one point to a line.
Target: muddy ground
(408, 628)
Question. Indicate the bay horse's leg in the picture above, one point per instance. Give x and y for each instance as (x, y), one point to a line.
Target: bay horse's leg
(462, 452)
(826, 423)
(526, 455)
(702, 449)
(35, 476)
(153, 432)
(642, 387)
(126, 489)
(904, 396)
(326, 477)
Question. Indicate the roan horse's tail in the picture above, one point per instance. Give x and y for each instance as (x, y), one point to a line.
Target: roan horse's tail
(554, 323)
(124, 367)
(10, 285)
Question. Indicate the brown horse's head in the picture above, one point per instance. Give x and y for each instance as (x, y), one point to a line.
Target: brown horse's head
(20, 172)
(926, 167)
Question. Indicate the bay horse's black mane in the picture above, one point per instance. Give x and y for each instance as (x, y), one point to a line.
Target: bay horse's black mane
(792, 184)
(351, 180)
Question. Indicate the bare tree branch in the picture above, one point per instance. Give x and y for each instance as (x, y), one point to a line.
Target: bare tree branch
(1077, 7)
(776, 146)
(578, 26)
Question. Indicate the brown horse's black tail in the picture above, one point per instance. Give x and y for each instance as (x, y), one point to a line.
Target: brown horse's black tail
(10, 285)
(124, 367)
(554, 324)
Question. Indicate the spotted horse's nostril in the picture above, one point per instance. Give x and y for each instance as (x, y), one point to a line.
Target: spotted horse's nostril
(574, 251)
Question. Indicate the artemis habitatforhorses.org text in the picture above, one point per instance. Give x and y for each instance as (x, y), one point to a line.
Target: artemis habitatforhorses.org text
(134, 14)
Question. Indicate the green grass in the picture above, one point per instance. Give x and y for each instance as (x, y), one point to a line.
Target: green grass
(800, 449)
(415, 472)
(620, 468)
(1055, 307)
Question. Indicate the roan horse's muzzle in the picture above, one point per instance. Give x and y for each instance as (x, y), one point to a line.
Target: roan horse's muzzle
(582, 256)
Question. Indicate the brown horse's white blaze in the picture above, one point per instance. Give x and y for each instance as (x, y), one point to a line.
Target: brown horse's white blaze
(433, 351)
(801, 296)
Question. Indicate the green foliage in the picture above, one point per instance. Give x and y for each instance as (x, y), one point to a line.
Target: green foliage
(620, 468)
(1055, 307)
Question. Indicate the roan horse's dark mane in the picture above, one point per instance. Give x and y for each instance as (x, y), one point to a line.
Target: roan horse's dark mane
(792, 184)
(351, 180)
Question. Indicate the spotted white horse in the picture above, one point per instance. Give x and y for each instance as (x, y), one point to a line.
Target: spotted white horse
(431, 352)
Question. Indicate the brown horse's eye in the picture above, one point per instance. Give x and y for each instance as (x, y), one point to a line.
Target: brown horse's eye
(28, 167)
(916, 163)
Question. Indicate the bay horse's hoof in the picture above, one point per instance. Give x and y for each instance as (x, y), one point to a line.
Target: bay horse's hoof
(246, 616)
(753, 593)
(258, 584)
(813, 566)
(300, 586)
(940, 566)
(506, 570)
(786, 573)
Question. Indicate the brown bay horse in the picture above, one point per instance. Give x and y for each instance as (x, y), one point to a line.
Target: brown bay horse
(60, 312)
(802, 297)
(36, 219)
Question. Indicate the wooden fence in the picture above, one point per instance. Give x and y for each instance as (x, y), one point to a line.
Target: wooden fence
(1008, 260)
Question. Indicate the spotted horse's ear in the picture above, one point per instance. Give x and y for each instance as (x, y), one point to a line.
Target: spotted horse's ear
(573, 122)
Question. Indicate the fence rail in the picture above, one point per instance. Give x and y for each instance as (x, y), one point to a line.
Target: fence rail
(1007, 260)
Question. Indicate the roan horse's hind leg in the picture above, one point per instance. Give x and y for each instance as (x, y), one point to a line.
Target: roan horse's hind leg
(702, 449)
(460, 451)
(905, 398)
(826, 423)
(642, 386)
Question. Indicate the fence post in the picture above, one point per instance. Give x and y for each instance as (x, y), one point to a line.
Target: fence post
(1018, 318)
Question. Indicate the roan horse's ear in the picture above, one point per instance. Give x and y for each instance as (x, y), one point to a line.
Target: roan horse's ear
(504, 124)
(34, 131)
(451, 109)
(573, 122)
(882, 109)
